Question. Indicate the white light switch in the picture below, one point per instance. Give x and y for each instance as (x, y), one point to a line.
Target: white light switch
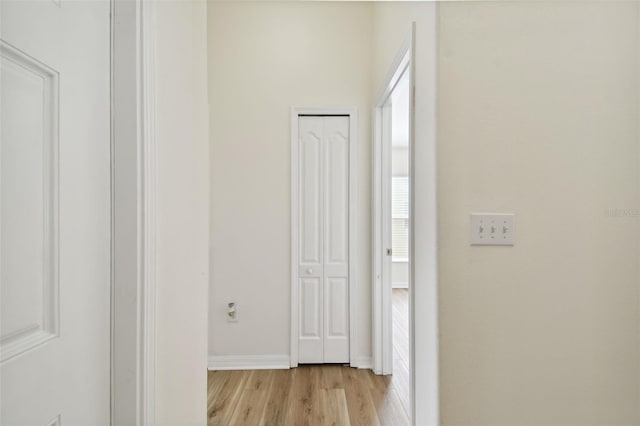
(492, 229)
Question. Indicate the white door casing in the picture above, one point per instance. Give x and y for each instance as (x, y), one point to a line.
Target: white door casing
(134, 159)
(381, 212)
(55, 214)
(387, 241)
(423, 286)
(323, 252)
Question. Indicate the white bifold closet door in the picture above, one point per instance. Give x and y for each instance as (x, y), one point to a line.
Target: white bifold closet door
(323, 239)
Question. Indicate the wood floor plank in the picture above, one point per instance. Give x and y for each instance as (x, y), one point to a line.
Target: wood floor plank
(360, 404)
(250, 407)
(377, 381)
(385, 398)
(303, 399)
(388, 406)
(333, 408)
(222, 405)
(253, 398)
(214, 382)
(277, 405)
(401, 380)
(331, 377)
(259, 379)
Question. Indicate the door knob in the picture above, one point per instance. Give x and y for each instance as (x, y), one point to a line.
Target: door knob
(309, 271)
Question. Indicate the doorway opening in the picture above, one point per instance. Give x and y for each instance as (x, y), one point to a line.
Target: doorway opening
(398, 276)
(393, 337)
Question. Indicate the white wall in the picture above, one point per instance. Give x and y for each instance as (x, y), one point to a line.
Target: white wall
(400, 127)
(183, 213)
(265, 57)
(400, 161)
(400, 274)
(538, 115)
(400, 112)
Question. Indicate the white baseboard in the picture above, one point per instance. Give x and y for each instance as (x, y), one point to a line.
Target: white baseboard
(364, 362)
(248, 362)
(265, 362)
(400, 285)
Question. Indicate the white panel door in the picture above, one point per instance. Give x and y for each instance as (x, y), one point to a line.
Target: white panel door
(55, 213)
(324, 239)
(311, 250)
(336, 239)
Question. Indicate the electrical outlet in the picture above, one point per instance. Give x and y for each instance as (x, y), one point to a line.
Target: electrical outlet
(232, 312)
(492, 229)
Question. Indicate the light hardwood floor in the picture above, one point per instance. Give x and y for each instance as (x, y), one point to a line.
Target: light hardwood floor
(400, 379)
(316, 394)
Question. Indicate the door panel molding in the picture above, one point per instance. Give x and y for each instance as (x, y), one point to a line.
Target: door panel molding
(296, 269)
(30, 316)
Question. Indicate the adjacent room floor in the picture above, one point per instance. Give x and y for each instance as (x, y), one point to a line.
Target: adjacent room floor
(400, 379)
(317, 394)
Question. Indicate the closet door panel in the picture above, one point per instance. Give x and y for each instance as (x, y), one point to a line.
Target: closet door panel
(336, 239)
(311, 202)
(336, 178)
(310, 248)
(336, 340)
(311, 336)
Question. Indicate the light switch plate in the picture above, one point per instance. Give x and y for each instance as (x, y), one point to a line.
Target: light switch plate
(492, 229)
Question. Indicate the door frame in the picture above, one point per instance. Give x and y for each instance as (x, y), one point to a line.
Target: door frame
(382, 354)
(423, 212)
(133, 30)
(352, 113)
(381, 200)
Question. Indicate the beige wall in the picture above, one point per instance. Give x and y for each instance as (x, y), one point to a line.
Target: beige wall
(538, 115)
(183, 213)
(265, 57)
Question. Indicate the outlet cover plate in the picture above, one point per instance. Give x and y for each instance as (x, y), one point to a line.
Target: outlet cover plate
(233, 318)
